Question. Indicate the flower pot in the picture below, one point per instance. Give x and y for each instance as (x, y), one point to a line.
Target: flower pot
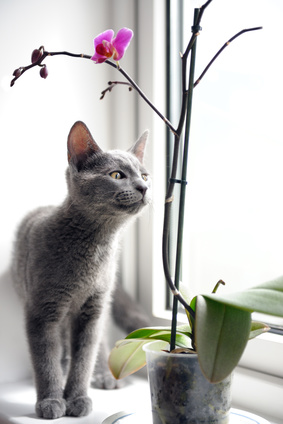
(180, 394)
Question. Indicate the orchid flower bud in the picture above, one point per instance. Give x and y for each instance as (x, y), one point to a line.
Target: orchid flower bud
(17, 72)
(43, 72)
(36, 54)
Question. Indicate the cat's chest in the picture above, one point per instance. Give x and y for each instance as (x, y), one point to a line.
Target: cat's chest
(81, 247)
(73, 277)
(85, 262)
(92, 277)
(92, 267)
(67, 260)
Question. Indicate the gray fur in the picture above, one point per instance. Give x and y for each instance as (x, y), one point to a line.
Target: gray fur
(64, 268)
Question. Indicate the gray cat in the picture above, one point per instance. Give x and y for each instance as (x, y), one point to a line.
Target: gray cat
(64, 268)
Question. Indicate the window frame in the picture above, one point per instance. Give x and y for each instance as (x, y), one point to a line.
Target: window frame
(259, 375)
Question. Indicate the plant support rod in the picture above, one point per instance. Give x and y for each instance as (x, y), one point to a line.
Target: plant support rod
(183, 186)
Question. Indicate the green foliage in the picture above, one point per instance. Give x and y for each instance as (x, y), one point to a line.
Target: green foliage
(257, 328)
(128, 356)
(266, 298)
(220, 331)
(223, 325)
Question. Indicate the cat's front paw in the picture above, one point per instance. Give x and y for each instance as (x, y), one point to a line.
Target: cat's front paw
(51, 408)
(105, 380)
(79, 406)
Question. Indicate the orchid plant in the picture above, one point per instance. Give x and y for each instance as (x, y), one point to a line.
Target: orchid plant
(219, 326)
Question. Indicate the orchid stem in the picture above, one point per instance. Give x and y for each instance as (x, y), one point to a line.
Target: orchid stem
(217, 285)
(143, 96)
(113, 84)
(45, 53)
(85, 56)
(221, 50)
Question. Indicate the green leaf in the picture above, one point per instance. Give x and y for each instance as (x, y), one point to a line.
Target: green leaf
(144, 333)
(185, 291)
(184, 328)
(221, 333)
(266, 298)
(258, 328)
(127, 357)
(182, 340)
(193, 306)
(163, 333)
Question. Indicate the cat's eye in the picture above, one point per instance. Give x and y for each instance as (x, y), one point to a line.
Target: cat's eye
(144, 177)
(116, 175)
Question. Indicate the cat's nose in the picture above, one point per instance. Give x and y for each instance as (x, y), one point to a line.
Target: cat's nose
(141, 188)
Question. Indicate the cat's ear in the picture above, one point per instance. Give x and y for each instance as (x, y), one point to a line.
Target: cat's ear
(138, 148)
(80, 144)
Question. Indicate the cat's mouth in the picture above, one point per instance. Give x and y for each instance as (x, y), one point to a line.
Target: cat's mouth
(128, 197)
(131, 200)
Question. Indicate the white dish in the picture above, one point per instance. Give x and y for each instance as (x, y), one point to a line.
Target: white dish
(237, 417)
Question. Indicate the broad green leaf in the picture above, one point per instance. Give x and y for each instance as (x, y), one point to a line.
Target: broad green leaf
(182, 340)
(258, 328)
(184, 328)
(162, 333)
(185, 292)
(144, 333)
(221, 333)
(266, 298)
(193, 306)
(127, 357)
(193, 303)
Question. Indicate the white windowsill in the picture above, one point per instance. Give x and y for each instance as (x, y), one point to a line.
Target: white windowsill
(17, 402)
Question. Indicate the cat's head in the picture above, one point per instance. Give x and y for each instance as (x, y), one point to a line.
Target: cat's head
(112, 183)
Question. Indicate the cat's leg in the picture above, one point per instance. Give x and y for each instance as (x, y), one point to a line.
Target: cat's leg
(65, 342)
(46, 351)
(86, 330)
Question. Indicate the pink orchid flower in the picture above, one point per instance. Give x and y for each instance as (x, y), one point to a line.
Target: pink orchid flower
(106, 46)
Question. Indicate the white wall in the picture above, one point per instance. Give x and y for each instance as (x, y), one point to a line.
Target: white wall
(36, 116)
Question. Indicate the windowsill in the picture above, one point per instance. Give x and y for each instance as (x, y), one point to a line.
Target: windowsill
(17, 402)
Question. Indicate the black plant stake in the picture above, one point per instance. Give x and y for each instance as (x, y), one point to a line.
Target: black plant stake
(195, 29)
